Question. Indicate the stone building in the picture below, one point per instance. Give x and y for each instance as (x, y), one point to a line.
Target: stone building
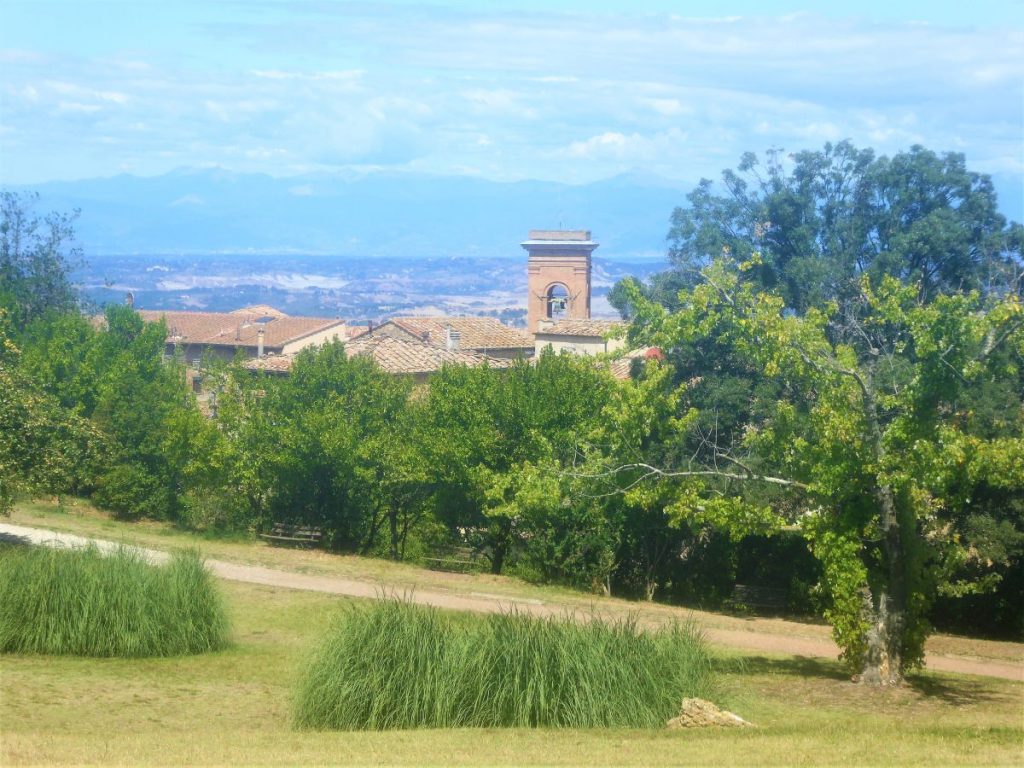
(483, 335)
(255, 331)
(580, 337)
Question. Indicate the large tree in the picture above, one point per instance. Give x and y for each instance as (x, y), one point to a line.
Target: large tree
(308, 449)
(820, 220)
(492, 432)
(866, 432)
(44, 446)
(37, 256)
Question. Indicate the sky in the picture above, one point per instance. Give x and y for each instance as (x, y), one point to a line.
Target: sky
(504, 90)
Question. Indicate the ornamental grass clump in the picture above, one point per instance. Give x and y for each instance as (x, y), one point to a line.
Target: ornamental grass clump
(398, 665)
(84, 603)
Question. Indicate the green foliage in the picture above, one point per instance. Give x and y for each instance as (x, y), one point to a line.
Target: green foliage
(81, 602)
(43, 445)
(829, 217)
(36, 258)
(321, 447)
(132, 493)
(490, 433)
(398, 665)
(862, 428)
(116, 380)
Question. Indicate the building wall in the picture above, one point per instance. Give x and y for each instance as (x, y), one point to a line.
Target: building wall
(548, 269)
(578, 345)
(316, 339)
(193, 353)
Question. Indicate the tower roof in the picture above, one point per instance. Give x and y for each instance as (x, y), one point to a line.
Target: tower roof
(560, 241)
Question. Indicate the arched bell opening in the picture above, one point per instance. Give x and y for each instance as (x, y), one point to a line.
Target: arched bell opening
(556, 302)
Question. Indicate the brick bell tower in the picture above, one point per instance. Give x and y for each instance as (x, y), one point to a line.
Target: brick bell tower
(559, 276)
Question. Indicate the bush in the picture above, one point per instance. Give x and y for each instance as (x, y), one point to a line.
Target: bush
(131, 492)
(399, 665)
(83, 603)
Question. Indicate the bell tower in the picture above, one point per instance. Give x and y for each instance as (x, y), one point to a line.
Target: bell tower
(558, 268)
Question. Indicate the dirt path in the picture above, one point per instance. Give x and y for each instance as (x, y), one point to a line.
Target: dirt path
(764, 636)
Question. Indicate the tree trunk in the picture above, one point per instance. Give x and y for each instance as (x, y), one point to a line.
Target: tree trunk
(393, 524)
(498, 557)
(883, 662)
(500, 544)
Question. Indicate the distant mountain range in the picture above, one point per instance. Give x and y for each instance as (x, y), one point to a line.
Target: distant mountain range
(407, 216)
(193, 212)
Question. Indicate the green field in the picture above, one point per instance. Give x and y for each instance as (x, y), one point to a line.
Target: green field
(235, 707)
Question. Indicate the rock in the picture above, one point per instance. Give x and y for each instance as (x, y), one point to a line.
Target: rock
(700, 713)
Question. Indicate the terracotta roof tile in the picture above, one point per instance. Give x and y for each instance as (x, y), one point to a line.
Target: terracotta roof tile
(622, 367)
(271, 363)
(238, 328)
(392, 356)
(476, 333)
(398, 356)
(589, 327)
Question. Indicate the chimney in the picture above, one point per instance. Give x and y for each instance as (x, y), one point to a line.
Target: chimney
(259, 341)
(452, 339)
(426, 337)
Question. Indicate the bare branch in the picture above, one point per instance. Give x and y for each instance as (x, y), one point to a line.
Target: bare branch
(652, 471)
(992, 343)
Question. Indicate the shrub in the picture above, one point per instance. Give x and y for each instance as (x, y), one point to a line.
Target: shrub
(399, 665)
(83, 603)
(131, 492)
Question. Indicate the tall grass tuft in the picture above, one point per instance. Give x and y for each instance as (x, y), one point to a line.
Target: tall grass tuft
(81, 602)
(398, 665)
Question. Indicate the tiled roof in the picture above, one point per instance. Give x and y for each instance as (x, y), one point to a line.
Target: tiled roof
(398, 356)
(622, 367)
(238, 328)
(477, 333)
(259, 310)
(392, 356)
(588, 327)
(271, 363)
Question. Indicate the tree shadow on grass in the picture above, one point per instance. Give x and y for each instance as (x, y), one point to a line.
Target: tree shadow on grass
(11, 539)
(798, 666)
(958, 691)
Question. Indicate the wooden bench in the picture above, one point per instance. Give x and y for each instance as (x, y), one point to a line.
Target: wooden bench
(454, 560)
(750, 596)
(285, 535)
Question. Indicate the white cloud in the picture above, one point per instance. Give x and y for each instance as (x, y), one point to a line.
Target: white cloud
(667, 107)
(499, 101)
(631, 148)
(190, 199)
(565, 96)
(77, 107)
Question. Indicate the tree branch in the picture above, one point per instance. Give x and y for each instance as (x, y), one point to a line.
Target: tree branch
(652, 471)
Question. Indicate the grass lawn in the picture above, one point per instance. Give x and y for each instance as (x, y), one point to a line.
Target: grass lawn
(234, 707)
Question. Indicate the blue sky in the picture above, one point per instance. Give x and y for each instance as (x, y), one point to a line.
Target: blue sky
(572, 91)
